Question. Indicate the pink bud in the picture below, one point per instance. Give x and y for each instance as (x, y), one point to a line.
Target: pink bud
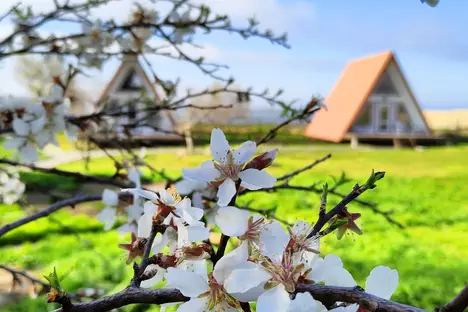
(262, 161)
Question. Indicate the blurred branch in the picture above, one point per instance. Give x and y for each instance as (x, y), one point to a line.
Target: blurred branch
(457, 304)
(274, 131)
(308, 167)
(76, 175)
(51, 209)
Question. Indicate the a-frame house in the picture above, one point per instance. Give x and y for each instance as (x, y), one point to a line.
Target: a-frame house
(127, 85)
(371, 100)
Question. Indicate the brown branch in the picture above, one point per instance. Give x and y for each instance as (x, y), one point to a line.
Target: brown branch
(34, 280)
(51, 209)
(324, 218)
(78, 176)
(329, 295)
(130, 295)
(457, 304)
(139, 270)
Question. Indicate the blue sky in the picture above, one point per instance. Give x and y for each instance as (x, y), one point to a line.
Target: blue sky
(430, 43)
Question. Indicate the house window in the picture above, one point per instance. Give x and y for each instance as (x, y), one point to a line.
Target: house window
(403, 118)
(385, 85)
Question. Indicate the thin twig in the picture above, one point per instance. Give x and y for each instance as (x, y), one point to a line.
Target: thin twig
(308, 167)
(76, 175)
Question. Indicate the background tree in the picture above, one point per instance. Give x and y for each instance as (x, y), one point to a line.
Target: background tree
(234, 105)
(37, 74)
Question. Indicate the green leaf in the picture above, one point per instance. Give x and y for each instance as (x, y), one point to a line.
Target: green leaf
(53, 280)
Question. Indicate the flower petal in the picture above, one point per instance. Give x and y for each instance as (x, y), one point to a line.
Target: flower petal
(194, 305)
(245, 279)
(134, 176)
(330, 271)
(185, 187)
(142, 193)
(13, 143)
(382, 282)
(206, 172)
(243, 153)
(232, 221)
(28, 153)
(144, 225)
(150, 208)
(274, 300)
(301, 228)
(254, 179)
(20, 127)
(156, 278)
(226, 192)
(219, 145)
(304, 302)
(197, 233)
(273, 240)
(110, 198)
(108, 217)
(166, 197)
(229, 262)
(190, 284)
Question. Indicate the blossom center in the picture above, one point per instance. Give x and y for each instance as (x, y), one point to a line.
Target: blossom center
(228, 168)
(217, 296)
(285, 273)
(253, 229)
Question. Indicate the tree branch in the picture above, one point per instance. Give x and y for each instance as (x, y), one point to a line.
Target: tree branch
(457, 304)
(76, 175)
(329, 295)
(130, 295)
(51, 209)
(139, 270)
(308, 167)
(324, 218)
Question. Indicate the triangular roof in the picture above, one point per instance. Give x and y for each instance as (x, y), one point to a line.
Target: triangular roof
(349, 95)
(129, 65)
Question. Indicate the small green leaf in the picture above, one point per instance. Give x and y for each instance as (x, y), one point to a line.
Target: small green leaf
(53, 280)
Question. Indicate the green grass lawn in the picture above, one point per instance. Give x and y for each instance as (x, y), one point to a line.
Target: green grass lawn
(425, 190)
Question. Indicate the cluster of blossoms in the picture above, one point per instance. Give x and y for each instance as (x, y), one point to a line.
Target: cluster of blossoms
(11, 187)
(36, 125)
(268, 262)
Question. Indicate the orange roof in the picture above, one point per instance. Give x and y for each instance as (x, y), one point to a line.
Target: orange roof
(348, 97)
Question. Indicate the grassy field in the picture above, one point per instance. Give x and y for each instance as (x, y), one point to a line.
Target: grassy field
(426, 190)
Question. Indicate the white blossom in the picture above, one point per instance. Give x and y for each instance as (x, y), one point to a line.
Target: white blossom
(268, 236)
(11, 187)
(108, 215)
(228, 167)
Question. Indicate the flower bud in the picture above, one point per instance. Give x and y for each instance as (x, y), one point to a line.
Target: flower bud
(262, 161)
